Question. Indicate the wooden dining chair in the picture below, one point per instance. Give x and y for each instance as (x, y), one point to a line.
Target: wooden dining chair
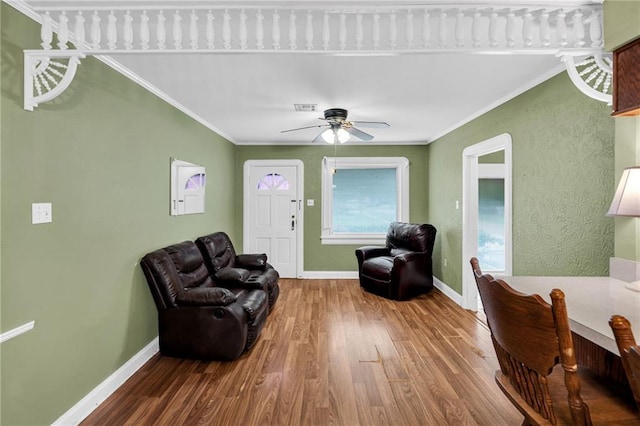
(629, 352)
(531, 337)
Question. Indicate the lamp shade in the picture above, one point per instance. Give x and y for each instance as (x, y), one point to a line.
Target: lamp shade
(626, 201)
(330, 135)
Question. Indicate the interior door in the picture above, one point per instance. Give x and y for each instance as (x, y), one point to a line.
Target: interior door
(273, 214)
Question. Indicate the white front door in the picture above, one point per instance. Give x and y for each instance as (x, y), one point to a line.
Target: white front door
(273, 212)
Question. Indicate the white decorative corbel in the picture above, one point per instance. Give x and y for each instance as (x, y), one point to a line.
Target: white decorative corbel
(592, 75)
(47, 73)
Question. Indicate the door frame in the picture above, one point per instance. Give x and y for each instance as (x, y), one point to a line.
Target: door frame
(470, 212)
(299, 238)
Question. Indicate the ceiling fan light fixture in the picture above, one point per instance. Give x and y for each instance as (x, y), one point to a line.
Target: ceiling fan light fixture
(330, 135)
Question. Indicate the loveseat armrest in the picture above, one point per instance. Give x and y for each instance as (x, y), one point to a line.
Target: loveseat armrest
(254, 304)
(228, 275)
(208, 296)
(251, 261)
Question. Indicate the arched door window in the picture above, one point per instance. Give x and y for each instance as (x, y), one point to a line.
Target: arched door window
(273, 181)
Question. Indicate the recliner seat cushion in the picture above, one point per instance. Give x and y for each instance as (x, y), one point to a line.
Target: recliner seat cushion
(378, 268)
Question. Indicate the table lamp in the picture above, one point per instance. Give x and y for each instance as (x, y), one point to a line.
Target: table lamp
(626, 202)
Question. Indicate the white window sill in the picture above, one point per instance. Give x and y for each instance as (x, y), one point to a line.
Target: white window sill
(375, 240)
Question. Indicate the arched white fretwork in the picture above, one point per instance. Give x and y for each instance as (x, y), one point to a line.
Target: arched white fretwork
(592, 75)
(47, 74)
(352, 28)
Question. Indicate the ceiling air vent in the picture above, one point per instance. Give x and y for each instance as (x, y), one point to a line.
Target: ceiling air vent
(305, 107)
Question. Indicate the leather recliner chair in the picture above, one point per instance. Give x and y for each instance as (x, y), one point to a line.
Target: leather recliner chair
(403, 268)
(196, 318)
(229, 269)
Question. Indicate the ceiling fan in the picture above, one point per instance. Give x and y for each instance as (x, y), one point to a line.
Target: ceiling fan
(339, 130)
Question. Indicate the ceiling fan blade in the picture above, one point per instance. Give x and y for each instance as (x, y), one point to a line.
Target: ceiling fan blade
(358, 133)
(373, 124)
(302, 128)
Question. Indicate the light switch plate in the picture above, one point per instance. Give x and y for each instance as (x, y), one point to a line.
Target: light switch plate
(41, 213)
(310, 202)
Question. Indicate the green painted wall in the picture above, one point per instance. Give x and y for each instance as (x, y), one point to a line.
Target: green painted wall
(318, 257)
(563, 183)
(100, 154)
(493, 158)
(621, 22)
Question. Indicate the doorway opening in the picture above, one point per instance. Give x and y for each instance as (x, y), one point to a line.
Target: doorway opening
(486, 212)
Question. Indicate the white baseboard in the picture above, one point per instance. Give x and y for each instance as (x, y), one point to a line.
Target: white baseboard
(347, 275)
(90, 402)
(447, 291)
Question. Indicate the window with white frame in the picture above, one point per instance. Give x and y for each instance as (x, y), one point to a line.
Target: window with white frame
(361, 196)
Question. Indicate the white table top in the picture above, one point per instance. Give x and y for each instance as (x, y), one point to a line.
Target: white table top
(591, 301)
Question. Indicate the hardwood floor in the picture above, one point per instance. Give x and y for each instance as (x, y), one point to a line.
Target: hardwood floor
(331, 354)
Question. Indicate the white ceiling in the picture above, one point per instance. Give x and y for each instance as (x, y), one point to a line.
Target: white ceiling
(249, 98)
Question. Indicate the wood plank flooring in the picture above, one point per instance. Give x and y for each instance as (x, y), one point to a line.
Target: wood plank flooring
(331, 354)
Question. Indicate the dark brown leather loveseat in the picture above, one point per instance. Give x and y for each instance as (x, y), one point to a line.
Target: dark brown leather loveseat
(403, 268)
(197, 318)
(238, 270)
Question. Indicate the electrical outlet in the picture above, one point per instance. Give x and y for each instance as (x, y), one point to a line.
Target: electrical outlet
(445, 263)
(310, 202)
(41, 213)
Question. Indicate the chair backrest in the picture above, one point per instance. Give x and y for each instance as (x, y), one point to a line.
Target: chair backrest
(171, 270)
(217, 250)
(629, 352)
(531, 337)
(411, 237)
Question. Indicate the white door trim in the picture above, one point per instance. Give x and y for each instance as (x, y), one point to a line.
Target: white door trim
(299, 196)
(469, 211)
